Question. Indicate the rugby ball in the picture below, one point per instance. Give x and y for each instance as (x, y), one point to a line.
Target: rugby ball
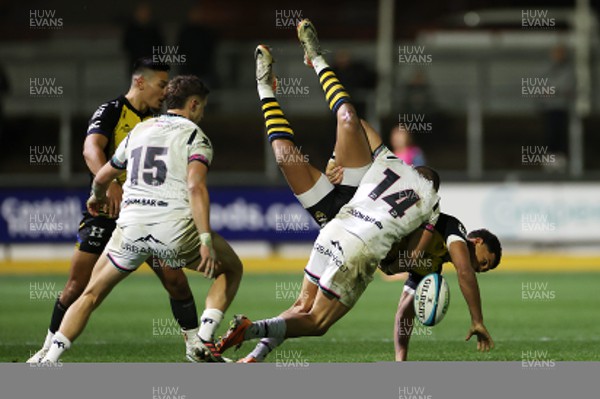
(432, 298)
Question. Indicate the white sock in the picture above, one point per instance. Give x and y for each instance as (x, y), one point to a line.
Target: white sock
(264, 347)
(271, 328)
(209, 322)
(319, 64)
(60, 343)
(264, 90)
(48, 340)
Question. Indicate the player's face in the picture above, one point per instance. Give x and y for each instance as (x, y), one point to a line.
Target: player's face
(484, 258)
(154, 88)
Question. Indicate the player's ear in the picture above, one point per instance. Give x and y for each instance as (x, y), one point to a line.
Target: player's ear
(139, 81)
(193, 104)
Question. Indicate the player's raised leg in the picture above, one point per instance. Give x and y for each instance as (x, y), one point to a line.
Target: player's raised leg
(104, 277)
(352, 147)
(300, 174)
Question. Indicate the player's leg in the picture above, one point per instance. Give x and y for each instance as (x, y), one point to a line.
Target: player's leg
(344, 283)
(324, 313)
(372, 135)
(352, 148)
(403, 324)
(183, 305)
(93, 235)
(303, 304)
(103, 280)
(228, 277)
(220, 294)
(299, 173)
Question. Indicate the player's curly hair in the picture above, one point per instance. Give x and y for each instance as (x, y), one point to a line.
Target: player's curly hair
(180, 88)
(492, 242)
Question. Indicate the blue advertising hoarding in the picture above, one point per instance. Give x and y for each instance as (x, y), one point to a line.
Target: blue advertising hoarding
(53, 215)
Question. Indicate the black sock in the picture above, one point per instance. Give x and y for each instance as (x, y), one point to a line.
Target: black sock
(57, 315)
(185, 312)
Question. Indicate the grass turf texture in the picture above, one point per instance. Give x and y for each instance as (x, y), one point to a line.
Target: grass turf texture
(134, 324)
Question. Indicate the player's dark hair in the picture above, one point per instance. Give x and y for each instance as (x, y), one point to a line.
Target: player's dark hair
(430, 174)
(147, 63)
(180, 88)
(492, 242)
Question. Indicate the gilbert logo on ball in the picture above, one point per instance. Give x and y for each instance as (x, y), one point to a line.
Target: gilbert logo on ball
(432, 298)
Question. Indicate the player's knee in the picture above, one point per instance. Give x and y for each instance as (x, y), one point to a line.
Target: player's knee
(346, 116)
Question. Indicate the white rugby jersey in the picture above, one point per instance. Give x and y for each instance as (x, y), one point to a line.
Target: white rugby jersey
(156, 154)
(392, 200)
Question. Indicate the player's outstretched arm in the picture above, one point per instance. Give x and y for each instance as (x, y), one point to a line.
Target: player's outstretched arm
(403, 326)
(200, 206)
(460, 257)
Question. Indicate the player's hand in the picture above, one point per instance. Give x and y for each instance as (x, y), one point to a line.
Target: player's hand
(484, 339)
(114, 196)
(208, 263)
(334, 173)
(94, 205)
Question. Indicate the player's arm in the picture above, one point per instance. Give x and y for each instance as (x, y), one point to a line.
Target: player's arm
(418, 241)
(460, 257)
(403, 325)
(93, 153)
(200, 207)
(100, 185)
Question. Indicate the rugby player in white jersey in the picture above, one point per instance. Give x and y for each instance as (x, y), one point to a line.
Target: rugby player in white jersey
(165, 214)
(391, 201)
(108, 126)
(321, 198)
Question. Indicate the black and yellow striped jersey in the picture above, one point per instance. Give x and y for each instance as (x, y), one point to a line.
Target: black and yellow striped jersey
(115, 119)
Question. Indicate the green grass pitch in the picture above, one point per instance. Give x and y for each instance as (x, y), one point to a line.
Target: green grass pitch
(558, 317)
